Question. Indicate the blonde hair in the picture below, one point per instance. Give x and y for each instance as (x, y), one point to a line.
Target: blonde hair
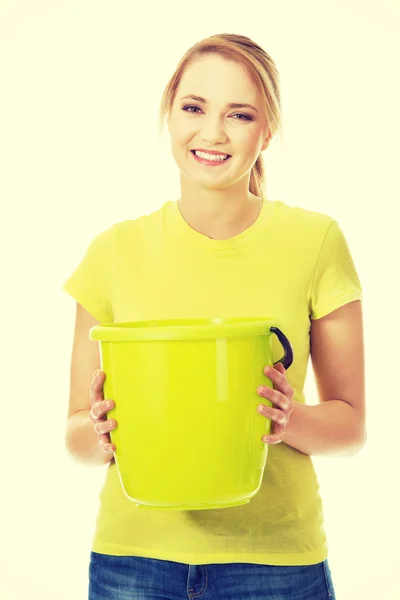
(259, 67)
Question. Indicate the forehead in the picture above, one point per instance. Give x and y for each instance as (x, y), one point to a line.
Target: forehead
(213, 76)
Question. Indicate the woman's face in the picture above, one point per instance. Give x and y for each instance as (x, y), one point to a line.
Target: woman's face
(213, 125)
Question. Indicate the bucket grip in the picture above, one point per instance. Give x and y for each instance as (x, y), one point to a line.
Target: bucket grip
(287, 358)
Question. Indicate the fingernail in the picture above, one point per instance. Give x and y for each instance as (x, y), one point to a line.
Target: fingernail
(96, 377)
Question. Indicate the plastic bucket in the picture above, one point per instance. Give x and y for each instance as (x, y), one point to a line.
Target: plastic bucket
(188, 433)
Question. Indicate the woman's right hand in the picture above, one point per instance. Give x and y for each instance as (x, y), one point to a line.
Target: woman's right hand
(98, 410)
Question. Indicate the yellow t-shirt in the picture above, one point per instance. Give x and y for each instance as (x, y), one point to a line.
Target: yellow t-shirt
(293, 264)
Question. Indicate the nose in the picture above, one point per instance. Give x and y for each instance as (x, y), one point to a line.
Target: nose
(213, 132)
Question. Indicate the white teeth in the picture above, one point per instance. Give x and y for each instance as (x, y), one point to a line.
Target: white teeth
(210, 156)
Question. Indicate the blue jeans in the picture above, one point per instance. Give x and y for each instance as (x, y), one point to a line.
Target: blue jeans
(137, 578)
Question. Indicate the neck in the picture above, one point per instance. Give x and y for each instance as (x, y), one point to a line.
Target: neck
(222, 220)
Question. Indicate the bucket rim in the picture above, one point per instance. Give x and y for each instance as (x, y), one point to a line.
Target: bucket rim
(183, 329)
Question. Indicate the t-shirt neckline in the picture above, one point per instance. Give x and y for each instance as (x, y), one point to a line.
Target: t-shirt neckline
(182, 228)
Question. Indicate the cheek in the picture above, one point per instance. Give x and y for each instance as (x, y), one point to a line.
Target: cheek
(252, 138)
(181, 137)
(180, 126)
(246, 139)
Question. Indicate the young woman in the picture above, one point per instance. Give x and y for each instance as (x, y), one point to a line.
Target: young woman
(224, 249)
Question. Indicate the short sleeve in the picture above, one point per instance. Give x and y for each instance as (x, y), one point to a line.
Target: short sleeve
(336, 281)
(90, 283)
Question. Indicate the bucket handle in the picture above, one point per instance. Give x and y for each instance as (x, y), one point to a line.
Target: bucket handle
(287, 359)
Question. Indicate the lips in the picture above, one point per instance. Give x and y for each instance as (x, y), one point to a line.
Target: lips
(216, 153)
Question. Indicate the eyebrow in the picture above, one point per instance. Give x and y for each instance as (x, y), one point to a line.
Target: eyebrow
(231, 105)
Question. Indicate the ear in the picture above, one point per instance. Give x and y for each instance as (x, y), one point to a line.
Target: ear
(266, 142)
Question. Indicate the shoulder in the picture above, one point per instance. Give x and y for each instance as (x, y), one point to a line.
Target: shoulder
(141, 223)
(302, 222)
(301, 216)
(142, 231)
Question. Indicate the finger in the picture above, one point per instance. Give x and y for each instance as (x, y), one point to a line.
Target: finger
(275, 375)
(104, 439)
(276, 415)
(279, 399)
(280, 418)
(96, 394)
(277, 434)
(279, 381)
(277, 367)
(99, 410)
(105, 444)
(275, 396)
(104, 426)
(274, 439)
(96, 387)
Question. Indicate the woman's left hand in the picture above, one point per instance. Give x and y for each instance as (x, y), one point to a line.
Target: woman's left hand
(282, 396)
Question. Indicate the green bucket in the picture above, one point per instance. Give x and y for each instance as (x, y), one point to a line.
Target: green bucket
(188, 434)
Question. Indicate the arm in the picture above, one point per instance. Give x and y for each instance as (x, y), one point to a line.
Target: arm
(329, 428)
(82, 441)
(337, 424)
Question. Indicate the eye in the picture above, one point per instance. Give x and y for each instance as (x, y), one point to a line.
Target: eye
(246, 117)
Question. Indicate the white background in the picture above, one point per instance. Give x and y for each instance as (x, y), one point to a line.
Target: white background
(81, 84)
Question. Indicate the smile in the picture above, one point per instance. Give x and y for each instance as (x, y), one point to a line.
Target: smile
(212, 163)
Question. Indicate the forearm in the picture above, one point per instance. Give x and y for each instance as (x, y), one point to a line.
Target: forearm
(331, 427)
(82, 441)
